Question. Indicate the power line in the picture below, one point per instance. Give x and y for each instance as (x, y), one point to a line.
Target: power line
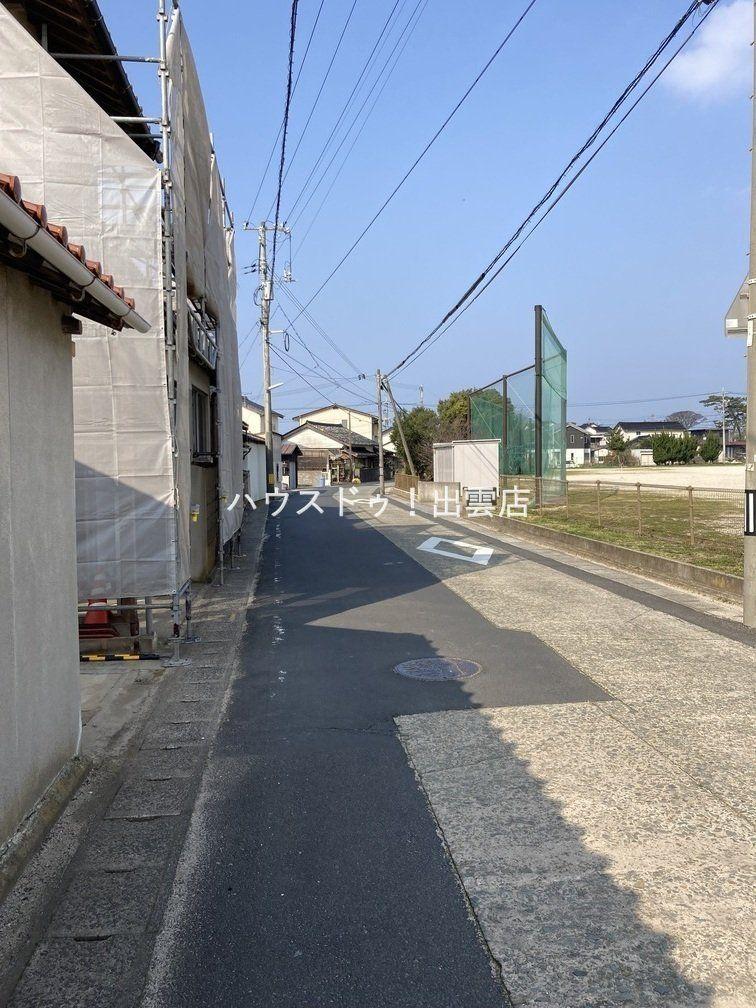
(297, 373)
(325, 78)
(634, 402)
(345, 107)
(278, 135)
(425, 150)
(319, 329)
(287, 109)
(467, 298)
(409, 26)
(358, 134)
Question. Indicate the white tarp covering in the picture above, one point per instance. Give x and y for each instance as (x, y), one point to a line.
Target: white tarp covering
(208, 252)
(94, 179)
(132, 514)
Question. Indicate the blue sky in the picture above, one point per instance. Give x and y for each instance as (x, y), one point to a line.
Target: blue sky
(636, 267)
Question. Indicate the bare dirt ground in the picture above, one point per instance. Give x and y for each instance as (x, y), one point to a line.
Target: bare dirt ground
(720, 477)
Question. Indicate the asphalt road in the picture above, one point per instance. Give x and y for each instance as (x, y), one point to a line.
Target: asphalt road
(314, 874)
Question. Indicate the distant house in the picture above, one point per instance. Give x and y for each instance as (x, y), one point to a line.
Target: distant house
(388, 442)
(577, 447)
(290, 455)
(365, 424)
(253, 427)
(631, 429)
(331, 453)
(598, 434)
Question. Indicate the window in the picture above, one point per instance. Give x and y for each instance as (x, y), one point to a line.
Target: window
(572, 439)
(200, 424)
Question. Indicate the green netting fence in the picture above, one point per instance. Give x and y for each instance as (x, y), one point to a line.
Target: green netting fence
(526, 411)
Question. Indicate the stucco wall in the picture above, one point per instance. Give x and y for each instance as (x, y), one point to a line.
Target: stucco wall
(39, 664)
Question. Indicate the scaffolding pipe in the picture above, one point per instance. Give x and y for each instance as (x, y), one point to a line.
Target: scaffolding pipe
(105, 57)
(147, 607)
(166, 176)
(136, 119)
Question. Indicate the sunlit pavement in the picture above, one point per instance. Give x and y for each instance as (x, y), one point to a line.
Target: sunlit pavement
(588, 788)
(606, 847)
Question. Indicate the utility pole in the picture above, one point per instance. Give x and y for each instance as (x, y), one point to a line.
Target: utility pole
(379, 399)
(749, 566)
(351, 450)
(387, 386)
(266, 296)
(422, 395)
(724, 427)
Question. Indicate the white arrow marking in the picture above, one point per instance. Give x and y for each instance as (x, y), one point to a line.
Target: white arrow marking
(480, 554)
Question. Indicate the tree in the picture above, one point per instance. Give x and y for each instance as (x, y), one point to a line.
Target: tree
(734, 411)
(663, 445)
(420, 428)
(688, 418)
(686, 449)
(711, 448)
(616, 443)
(671, 450)
(453, 416)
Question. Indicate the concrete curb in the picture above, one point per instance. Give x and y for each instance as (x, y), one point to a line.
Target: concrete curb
(32, 832)
(675, 572)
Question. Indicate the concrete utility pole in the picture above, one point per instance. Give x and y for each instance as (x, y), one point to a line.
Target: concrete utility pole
(351, 450)
(422, 395)
(749, 569)
(407, 455)
(266, 296)
(379, 399)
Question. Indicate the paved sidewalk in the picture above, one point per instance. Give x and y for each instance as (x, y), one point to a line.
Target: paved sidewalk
(122, 834)
(606, 846)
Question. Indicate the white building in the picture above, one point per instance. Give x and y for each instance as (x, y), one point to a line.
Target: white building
(253, 424)
(43, 279)
(356, 420)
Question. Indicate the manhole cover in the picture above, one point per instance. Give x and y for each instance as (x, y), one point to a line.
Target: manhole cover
(435, 669)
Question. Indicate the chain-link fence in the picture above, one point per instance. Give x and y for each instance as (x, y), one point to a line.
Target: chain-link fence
(703, 526)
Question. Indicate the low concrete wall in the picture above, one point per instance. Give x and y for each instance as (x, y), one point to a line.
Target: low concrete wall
(663, 568)
(430, 493)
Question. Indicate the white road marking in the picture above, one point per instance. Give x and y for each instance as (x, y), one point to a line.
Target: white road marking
(480, 554)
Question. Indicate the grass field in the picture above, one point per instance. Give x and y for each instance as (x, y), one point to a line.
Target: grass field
(703, 527)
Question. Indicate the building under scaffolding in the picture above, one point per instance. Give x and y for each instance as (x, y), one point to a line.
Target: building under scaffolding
(157, 417)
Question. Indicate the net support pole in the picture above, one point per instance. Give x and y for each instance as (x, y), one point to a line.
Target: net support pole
(503, 463)
(538, 400)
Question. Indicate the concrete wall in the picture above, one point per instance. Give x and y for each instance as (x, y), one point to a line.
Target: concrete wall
(39, 651)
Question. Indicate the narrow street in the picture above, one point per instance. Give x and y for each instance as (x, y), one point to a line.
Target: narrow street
(314, 874)
(323, 868)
